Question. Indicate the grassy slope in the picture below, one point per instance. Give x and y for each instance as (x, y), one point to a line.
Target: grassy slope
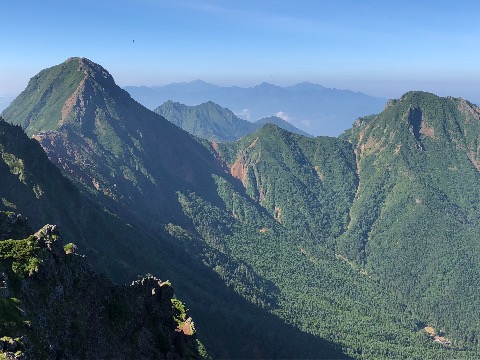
(40, 108)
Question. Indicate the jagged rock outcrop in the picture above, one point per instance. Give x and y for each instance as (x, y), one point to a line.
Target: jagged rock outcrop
(54, 306)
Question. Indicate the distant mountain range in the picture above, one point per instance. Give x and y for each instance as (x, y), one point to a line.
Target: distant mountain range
(364, 245)
(212, 122)
(315, 109)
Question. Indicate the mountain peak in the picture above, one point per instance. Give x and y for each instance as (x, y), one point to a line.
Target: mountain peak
(194, 86)
(279, 122)
(213, 104)
(307, 85)
(82, 62)
(416, 123)
(264, 85)
(417, 94)
(82, 118)
(56, 95)
(90, 68)
(199, 82)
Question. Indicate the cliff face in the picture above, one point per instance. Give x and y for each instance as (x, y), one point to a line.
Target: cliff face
(53, 306)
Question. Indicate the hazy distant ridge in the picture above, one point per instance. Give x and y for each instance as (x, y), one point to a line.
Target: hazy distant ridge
(312, 108)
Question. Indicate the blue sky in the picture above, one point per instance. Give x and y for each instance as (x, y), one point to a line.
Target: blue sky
(382, 48)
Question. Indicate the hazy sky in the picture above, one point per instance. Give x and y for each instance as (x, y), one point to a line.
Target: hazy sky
(382, 48)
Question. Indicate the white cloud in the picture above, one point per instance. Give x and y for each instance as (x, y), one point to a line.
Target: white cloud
(283, 115)
(244, 114)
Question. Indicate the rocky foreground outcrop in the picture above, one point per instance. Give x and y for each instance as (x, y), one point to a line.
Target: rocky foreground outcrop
(53, 306)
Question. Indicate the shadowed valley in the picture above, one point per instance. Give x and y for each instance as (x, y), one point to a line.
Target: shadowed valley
(281, 245)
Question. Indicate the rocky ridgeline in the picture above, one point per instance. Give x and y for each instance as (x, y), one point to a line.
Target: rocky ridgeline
(53, 306)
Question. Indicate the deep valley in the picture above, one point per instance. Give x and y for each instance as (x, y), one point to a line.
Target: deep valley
(279, 244)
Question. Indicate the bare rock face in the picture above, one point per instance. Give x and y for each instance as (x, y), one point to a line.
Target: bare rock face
(67, 311)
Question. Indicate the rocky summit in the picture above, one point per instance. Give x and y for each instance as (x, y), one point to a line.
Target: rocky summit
(53, 306)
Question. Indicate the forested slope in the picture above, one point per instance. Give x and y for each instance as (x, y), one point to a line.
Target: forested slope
(282, 246)
(415, 220)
